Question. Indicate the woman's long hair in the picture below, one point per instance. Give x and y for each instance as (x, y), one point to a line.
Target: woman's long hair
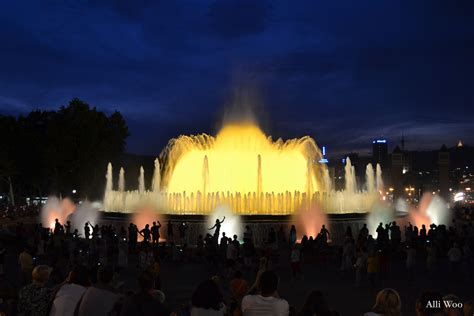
(388, 303)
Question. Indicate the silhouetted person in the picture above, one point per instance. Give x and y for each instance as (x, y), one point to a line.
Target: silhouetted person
(248, 234)
(395, 235)
(325, 234)
(132, 236)
(145, 233)
(268, 301)
(207, 299)
(34, 298)
(364, 232)
(99, 299)
(217, 230)
(349, 232)
(87, 231)
(170, 231)
(423, 234)
(145, 302)
(67, 226)
(238, 289)
(455, 256)
(316, 304)
(281, 235)
(411, 262)
(224, 241)
(295, 257)
(292, 237)
(26, 265)
(183, 227)
(380, 233)
(272, 236)
(70, 293)
(58, 228)
(155, 232)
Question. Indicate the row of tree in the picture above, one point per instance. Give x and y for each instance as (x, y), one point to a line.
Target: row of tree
(56, 152)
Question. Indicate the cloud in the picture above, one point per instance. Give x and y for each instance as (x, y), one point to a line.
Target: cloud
(342, 72)
(236, 18)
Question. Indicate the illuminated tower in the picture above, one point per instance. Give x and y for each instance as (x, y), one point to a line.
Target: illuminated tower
(380, 152)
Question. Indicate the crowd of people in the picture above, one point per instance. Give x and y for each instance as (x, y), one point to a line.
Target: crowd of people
(9, 211)
(63, 271)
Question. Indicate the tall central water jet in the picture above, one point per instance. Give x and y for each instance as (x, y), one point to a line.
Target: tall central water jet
(233, 167)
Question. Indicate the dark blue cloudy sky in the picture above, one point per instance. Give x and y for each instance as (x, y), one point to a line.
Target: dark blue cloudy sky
(341, 71)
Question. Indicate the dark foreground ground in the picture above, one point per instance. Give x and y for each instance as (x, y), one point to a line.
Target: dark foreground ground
(180, 279)
(341, 292)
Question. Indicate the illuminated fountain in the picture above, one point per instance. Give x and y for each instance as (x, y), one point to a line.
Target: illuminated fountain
(246, 171)
(65, 210)
(432, 209)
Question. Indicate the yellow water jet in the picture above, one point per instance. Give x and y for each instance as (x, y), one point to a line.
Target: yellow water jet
(241, 159)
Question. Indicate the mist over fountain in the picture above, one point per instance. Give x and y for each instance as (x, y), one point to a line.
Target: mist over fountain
(248, 172)
(66, 210)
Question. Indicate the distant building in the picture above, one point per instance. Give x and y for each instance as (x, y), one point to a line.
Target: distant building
(324, 159)
(380, 152)
(354, 157)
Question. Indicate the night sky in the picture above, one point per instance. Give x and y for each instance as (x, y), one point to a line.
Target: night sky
(343, 72)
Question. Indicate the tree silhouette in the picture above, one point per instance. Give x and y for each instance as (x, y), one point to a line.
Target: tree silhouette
(55, 152)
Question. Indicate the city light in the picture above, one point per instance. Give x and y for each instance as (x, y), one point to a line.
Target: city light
(458, 197)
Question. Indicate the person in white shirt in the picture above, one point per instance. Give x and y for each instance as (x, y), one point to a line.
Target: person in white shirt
(69, 294)
(268, 301)
(99, 299)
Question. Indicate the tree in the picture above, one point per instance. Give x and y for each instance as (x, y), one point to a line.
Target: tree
(8, 132)
(58, 151)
